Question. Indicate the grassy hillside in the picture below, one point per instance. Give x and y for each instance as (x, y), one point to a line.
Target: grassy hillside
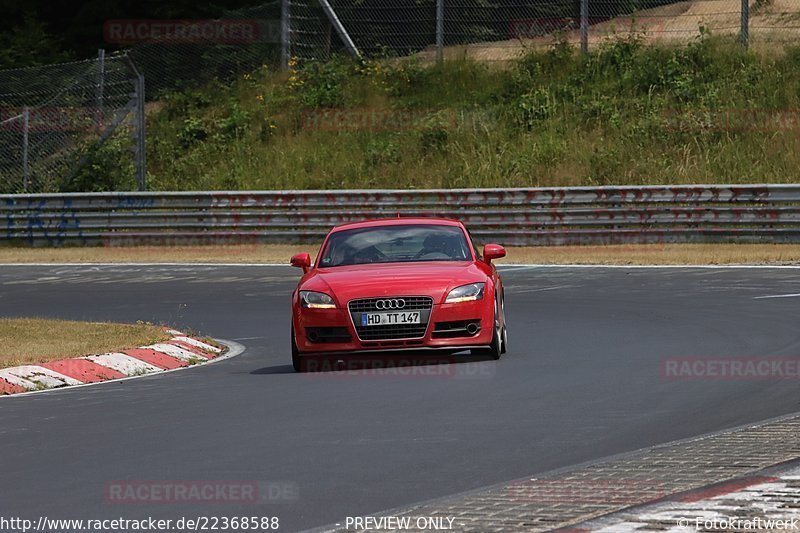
(629, 113)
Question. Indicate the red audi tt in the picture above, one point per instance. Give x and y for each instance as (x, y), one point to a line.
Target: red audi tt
(383, 286)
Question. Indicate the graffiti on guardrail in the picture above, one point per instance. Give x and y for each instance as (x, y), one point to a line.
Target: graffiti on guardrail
(653, 215)
(125, 202)
(34, 226)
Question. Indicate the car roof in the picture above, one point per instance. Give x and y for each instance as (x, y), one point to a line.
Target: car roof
(398, 221)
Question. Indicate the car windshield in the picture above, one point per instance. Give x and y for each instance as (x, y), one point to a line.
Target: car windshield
(395, 244)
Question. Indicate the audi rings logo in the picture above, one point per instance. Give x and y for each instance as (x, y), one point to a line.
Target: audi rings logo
(398, 303)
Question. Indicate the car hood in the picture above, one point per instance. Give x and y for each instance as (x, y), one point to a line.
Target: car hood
(434, 279)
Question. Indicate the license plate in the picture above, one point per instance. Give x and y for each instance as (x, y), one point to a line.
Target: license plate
(383, 319)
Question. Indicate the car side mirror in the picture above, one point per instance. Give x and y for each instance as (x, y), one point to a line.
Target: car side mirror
(493, 251)
(301, 261)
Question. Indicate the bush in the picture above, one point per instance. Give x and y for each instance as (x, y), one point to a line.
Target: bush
(323, 84)
(535, 106)
(109, 167)
(434, 134)
(194, 130)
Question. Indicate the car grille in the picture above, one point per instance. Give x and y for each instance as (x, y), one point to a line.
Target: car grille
(413, 303)
(393, 331)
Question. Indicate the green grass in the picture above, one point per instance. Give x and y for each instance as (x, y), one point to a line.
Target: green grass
(555, 118)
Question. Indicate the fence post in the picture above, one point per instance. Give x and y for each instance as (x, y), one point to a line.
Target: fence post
(26, 170)
(286, 43)
(340, 29)
(101, 81)
(744, 33)
(140, 156)
(585, 26)
(439, 31)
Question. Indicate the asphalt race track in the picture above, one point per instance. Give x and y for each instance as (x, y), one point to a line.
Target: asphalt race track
(583, 379)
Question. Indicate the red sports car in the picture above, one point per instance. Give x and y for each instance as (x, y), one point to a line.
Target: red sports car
(382, 286)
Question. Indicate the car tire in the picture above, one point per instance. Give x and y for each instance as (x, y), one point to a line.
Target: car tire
(297, 363)
(497, 347)
(504, 334)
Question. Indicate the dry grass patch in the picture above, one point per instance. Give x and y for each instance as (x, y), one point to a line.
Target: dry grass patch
(246, 253)
(34, 340)
(629, 254)
(658, 254)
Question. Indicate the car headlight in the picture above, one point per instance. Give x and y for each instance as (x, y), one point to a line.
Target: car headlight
(316, 300)
(465, 293)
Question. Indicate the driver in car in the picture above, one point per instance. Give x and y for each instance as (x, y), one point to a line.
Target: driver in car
(441, 244)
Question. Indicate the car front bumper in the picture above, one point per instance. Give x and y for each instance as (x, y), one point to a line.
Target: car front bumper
(331, 331)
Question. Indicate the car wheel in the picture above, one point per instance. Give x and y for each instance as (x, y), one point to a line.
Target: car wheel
(504, 336)
(296, 362)
(496, 348)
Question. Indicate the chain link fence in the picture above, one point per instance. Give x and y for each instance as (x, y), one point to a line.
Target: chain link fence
(505, 29)
(175, 54)
(376, 28)
(52, 118)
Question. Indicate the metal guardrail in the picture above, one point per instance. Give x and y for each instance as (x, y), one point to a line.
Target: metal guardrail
(541, 216)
